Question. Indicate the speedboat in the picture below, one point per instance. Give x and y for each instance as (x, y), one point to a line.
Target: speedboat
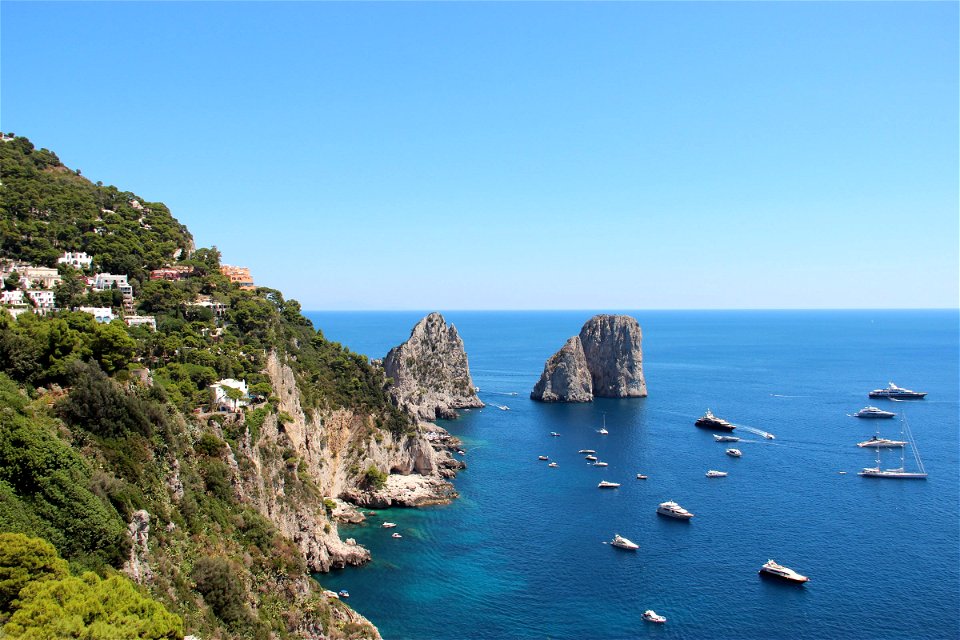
(582, 451)
(673, 510)
(553, 464)
(736, 453)
(775, 570)
(389, 525)
(898, 393)
(652, 616)
(343, 593)
(591, 458)
(623, 543)
(600, 464)
(554, 434)
(710, 421)
(542, 458)
(881, 443)
(873, 412)
(603, 432)
(396, 535)
(769, 436)
(726, 438)
(716, 474)
(607, 485)
(640, 476)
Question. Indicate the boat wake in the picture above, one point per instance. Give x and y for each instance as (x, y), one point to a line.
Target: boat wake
(499, 393)
(764, 434)
(778, 395)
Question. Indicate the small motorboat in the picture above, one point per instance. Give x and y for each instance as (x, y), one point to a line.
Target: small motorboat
(396, 535)
(652, 616)
(726, 438)
(623, 543)
(600, 464)
(583, 451)
(371, 513)
(769, 436)
(389, 525)
(603, 432)
(736, 453)
(607, 485)
(553, 465)
(542, 458)
(591, 458)
(716, 474)
(640, 476)
(343, 593)
(554, 434)
(461, 452)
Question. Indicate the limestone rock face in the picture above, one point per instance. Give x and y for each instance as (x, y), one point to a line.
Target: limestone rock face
(614, 356)
(604, 360)
(431, 377)
(566, 377)
(137, 566)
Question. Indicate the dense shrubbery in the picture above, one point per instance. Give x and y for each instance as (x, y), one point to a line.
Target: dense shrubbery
(217, 581)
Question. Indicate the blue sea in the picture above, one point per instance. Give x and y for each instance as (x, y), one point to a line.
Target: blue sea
(521, 553)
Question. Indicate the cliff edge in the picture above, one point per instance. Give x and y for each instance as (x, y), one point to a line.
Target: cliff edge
(430, 376)
(605, 360)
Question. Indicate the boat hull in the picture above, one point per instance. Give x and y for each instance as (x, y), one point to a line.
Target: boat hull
(913, 395)
(782, 578)
(713, 425)
(893, 474)
(674, 515)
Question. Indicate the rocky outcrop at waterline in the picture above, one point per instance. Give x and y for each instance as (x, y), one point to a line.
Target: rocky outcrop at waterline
(428, 374)
(605, 360)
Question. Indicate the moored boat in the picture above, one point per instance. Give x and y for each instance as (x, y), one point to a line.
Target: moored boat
(874, 441)
(553, 464)
(673, 510)
(389, 525)
(736, 453)
(542, 458)
(899, 473)
(640, 476)
(873, 412)
(600, 464)
(591, 458)
(710, 421)
(623, 543)
(775, 570)
(716, 474)
(582, 451)
(652, 616)
(897, 393)
(608, 485)
(396, 535)
(554, 434)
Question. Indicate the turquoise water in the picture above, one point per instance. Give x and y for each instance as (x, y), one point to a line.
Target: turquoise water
(521, 553)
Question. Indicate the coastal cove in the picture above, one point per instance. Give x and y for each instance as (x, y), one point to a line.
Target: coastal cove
(521, 553)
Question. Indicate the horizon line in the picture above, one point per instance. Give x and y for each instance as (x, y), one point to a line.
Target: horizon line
(595, 309)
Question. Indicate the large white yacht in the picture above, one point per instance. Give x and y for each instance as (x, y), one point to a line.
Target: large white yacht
(673, 510)
(899, 393)
(775, 570)
(873, 412)
(607, 485)
(623, 543)
(885, 443)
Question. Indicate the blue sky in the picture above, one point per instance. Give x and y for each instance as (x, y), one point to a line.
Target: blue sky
(521, 156)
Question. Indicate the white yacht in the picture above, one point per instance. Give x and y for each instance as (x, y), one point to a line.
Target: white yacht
(873, 412)
(623, 543)
(719, 438)
(775, 570)
(603, 430)
(591, 458)
(673, 510)
(885, 443)
(582, 451)
(542, 458)
(899, 473)
(396, 535)
(389, 525)
(897, 393)
(554, 434)
(736, 453)
(607, 485)
(600, 464)
(652, 616)
(640, 476)
(716, 474)
(553, 464)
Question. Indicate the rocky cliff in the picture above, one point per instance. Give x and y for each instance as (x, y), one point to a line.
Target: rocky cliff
(429, 374)
(604, 360)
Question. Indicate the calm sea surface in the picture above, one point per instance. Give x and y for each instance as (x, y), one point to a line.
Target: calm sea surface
(521, 554)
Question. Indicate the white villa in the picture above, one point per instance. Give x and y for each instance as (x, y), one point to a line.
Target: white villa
(141, 321)
(79, 260)
(103, 315)
(220, 398)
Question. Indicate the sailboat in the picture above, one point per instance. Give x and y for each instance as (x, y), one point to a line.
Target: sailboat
(603, 430)
(900, 473)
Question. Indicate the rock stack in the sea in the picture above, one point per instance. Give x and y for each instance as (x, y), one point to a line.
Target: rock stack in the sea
(605, 360)
(429, 374)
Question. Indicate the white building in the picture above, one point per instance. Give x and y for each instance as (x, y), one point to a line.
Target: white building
(12, 297)
(103, 315)
(223, 401)
(78, 260)
(43, 299)
(141, 321)
(106, 281)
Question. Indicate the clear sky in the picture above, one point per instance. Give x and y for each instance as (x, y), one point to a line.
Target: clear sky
(521, 156)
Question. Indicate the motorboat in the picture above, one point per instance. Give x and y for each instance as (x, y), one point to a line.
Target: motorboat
(389, 525)
(343, 593)
(600, 464)
(591, 458)
(461, 452)
(554, 434)
(623, 543)
(640, 476)
(873, 412)
(603, 430)
(886, 443)
(542, 458)
(553, 464)
(582, 451)
(607, 485)
(396, 535)
(899, 473)
(719, 438)
(710, 421)
(652, 616)
(769, 436)
(716, 474)
(673, 510)
(897, 393)
(775, 570)
(736, 453)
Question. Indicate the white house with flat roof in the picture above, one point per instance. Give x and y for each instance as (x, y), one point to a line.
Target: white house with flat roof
(77, 260)
(141, 321)
(222, 400)
(103, 315)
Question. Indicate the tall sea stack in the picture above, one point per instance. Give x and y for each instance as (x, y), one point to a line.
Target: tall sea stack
(605, 360)
(430, 374)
